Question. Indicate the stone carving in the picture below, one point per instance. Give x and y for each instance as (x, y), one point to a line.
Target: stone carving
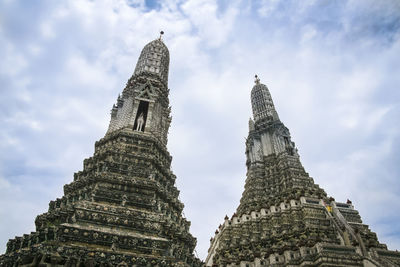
(124, 198)
(140, 122)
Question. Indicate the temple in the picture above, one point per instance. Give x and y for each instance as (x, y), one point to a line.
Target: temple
(123, 208)
(284, 218)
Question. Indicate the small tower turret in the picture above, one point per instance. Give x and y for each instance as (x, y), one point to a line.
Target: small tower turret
(284, 218)
(261, 102)
(154, 59)
(143, 106)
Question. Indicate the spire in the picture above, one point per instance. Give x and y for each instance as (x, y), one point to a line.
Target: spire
(261, 102)
(143, 106)
(154, 59)
(161, 34)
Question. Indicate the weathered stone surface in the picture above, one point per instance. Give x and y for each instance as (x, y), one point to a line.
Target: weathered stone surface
(122, 209)
(284, 218)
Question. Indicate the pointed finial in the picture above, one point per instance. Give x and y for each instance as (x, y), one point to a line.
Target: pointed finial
(257, 80)
(161, 34)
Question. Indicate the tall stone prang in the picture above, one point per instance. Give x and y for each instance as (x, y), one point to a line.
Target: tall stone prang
(284, 218)
(123, 208)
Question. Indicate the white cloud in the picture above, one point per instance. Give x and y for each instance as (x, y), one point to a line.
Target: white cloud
(267, 7)
(47, 30)
(212, 26)
(4, 184)
(13, 62)
(34, 49)
(25, 120)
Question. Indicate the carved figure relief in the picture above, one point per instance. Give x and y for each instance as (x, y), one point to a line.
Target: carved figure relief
(140, 122)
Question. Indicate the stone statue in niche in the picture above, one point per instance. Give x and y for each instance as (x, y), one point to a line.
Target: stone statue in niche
(140, 122)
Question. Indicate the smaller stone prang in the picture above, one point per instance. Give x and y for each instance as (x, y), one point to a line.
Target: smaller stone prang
(144, 104)
(284, 218)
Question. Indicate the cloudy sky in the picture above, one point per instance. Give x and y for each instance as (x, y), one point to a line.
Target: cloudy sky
(333, 69)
